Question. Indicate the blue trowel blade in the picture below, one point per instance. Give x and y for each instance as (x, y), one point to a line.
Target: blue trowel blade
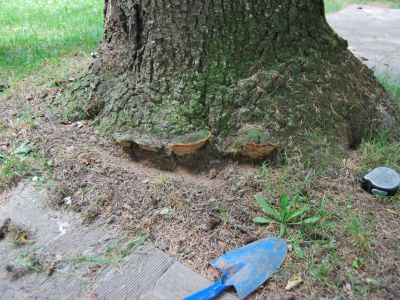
(250, 266)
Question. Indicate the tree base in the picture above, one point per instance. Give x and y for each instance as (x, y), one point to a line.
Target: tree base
(336, 100)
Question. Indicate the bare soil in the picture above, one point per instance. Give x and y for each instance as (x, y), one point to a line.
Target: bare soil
(197, 216)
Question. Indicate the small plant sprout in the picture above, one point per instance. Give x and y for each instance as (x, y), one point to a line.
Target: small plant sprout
(291, 212)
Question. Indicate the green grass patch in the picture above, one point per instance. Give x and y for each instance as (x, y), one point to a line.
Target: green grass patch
(291, 212)
(114, 254)
(23, 161)
(393, 87)
(381, 151)
(332, 6)
(19, 158)
(33, 32)
(321, 269)
(28, 261)
(33, 260)
(359, 232)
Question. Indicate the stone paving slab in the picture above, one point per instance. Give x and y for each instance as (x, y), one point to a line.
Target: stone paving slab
(178, 282)
(147, 273)
(373, 34)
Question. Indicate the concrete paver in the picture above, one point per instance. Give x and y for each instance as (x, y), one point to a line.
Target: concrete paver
(373, 34)
(147, 273)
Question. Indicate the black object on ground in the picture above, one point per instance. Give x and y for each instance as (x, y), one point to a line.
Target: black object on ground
(381, 181)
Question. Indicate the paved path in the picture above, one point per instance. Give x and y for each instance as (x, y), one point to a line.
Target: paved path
(146, 274)
(373, 34)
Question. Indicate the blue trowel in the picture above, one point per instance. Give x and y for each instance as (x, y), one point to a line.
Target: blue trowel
(246, 268)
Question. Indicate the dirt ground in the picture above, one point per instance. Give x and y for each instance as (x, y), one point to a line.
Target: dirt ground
(197, 216)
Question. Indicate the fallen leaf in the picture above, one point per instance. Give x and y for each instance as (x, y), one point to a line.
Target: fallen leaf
(392, 211)
(293, 282)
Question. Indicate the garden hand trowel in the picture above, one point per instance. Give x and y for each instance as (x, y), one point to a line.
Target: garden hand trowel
(245, 268)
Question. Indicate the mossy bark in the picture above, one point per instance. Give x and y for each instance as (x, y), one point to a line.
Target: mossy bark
(165, 68)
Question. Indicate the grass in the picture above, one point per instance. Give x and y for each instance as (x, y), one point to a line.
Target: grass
(345, 235)
(294, 211)
(381, 151)
(32, 260)
(284, 204)
(33, 32)
(332, 6)
(22, 162)
(113, 255)
(29, 261)
(20, 159)
(322, 270)
(359, 231)
(392, 87)
(291, 212)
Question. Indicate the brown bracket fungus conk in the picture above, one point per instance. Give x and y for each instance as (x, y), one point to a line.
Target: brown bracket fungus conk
(150, 148)
(124, 140)
(190, 143)
(258, 151)
(255, 143)
(129, 141)
(149, 145)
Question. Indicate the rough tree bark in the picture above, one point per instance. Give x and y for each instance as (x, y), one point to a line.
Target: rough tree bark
(168, 67)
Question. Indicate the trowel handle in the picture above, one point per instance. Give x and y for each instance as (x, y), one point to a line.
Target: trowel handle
(209, 293)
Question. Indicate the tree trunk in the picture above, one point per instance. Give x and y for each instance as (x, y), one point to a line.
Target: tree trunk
(166, 68)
